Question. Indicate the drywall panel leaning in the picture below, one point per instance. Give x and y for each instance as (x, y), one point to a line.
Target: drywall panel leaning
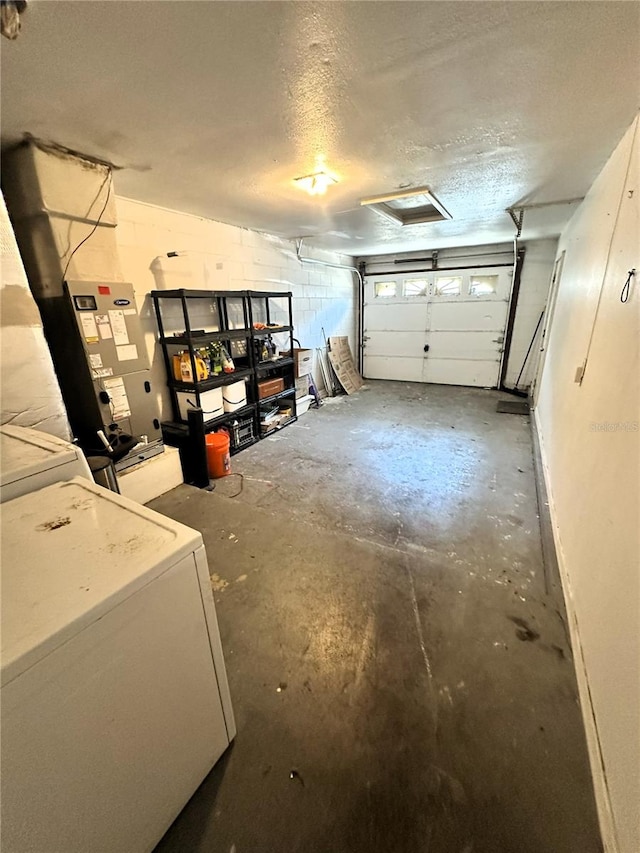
(343, 364)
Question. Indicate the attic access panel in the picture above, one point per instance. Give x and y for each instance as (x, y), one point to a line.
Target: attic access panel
(411, 207)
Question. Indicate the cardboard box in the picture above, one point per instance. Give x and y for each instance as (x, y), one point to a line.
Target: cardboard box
(269, 387)
(303, 361)
(302, 386)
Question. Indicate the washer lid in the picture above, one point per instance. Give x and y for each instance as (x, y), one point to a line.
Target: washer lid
(24, 452)
(70, 553)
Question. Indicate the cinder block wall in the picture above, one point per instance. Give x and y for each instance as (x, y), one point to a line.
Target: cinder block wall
(223, 257)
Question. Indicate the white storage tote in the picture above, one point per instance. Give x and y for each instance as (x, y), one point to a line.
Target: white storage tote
(234, 396)
(210, 401)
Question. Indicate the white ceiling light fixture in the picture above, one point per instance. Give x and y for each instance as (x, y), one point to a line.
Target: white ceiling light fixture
(316, 183)
(409, 207)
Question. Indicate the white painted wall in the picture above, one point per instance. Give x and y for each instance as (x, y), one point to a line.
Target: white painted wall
(589, 435)
(224, 257)
(30, 392)
(534, 288)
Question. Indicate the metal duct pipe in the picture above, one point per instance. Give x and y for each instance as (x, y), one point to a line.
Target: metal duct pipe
(360, 291)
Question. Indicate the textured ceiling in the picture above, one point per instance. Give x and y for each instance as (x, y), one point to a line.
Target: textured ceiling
(214, 107)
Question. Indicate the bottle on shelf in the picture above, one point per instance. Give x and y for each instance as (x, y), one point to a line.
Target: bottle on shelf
(182, 368)
(271, 347)
(227, 362)
(205, 355)
(216, 358)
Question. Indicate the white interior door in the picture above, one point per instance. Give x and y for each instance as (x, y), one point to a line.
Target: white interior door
(445, 327)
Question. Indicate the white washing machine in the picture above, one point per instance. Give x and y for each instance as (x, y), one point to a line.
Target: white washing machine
(30, 460)
(115, 701)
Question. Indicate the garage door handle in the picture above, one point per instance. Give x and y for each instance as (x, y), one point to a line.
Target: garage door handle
(426, 347)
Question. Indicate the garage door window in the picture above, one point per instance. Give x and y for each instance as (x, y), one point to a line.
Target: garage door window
(385, 289)
(483, 285)
(448, 285)
(415, 287)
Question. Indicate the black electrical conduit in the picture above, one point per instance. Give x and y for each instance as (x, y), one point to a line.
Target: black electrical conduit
(511, 318)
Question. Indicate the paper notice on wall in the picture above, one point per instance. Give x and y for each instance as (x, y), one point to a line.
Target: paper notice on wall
(128, 353)
(104, 326)
(95, 360)
(119, 328)
(89, 329)
(119, 400)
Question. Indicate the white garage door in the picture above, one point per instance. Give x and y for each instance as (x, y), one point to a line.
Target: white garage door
(444, 327)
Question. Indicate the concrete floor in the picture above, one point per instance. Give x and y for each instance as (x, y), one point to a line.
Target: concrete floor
(397, 655)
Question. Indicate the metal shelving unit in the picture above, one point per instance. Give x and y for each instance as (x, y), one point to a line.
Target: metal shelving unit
(189, 320)
(274, 311)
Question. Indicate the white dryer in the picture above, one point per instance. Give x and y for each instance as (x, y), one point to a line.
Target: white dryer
(115, 701)
(31, 460)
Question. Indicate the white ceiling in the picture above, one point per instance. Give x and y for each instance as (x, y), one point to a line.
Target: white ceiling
(214, 107)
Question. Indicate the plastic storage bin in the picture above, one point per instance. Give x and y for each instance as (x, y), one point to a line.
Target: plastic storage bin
(234, 396)
(211, 403)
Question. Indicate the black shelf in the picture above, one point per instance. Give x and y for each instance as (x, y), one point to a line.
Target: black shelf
(264, 366)
(214, 382)
(255, 307)
(279, 427)
(234, 450)
(221, 419)
(266, 294)
(176, 433)
(274, 330)
(277, 396)
(184, 341)
(196, 294)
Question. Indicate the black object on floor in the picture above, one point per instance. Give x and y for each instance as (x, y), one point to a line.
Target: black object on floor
(513, 407)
